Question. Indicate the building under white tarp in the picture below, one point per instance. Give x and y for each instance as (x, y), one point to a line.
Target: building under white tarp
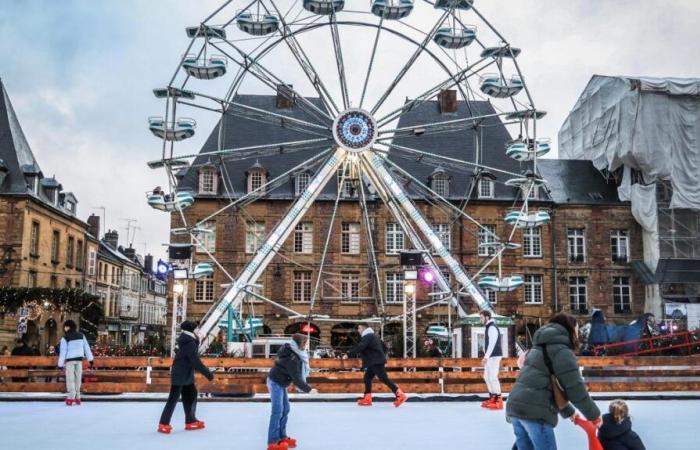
(646, 132)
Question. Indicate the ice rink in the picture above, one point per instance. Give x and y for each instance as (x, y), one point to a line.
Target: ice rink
(130, 425)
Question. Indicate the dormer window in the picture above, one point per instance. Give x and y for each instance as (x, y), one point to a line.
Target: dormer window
(485, 188)
(301, 182)
(208, 180)
(440, 182)
(257, 178)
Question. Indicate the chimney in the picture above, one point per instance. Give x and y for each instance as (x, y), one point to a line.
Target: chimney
(148, 263)
(285, 96)
(447, 101)
(94, 226)
(111, 239)
(129, 253)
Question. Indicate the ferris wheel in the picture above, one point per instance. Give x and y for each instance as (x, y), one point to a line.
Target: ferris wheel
(353, 60)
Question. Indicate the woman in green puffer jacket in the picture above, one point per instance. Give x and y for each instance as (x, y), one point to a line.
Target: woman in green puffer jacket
(530, 407)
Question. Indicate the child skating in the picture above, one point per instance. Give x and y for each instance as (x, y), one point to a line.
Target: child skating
(371, 350)
(185, 362)
(616, 432)
(291, 366)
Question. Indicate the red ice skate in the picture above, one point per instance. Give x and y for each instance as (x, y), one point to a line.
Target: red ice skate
(496, 404)
(488, 401)
(400, 398)
(365, 401)
(69, 402)
(164, 428)
(278, 446)
(196, 425)
(77, 401)
(291, 442)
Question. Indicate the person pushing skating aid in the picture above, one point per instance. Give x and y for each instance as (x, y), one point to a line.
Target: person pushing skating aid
(185, 362)
(371, 350)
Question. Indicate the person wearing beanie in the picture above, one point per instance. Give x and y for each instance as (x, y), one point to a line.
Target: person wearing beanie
(493, 353)
(185, 362)
(74, 348)
(371, 350)
(291, 366)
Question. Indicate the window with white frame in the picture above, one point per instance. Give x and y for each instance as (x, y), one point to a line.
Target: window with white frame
(92, 262)
(533, 193)
(533, 288)
(491, 295)
(394, 238)
(394, 287)
(350, 238)
(304, 238)
(301, 288)
(435, 288)
(486, 188)
(254, 236)
(207, 181)
(578, 294)
(576, 240)
(350, 287)
(532, 242)
(204, 289)
(622, 295)
(34, 240)
(207, 238)
(619, 246)
(350, 189)
(440, 183)
(256, 179)
(301, 181)
(443, 233)
(487, 237)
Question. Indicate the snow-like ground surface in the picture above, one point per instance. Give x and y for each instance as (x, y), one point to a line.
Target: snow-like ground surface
(667, 425)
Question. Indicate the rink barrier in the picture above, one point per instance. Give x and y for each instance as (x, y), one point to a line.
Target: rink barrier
(244, 377)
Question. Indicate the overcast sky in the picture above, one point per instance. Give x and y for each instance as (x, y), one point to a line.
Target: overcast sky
(80, 75)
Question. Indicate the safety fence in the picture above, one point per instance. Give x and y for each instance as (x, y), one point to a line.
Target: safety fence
(242, 377)
(683, 343)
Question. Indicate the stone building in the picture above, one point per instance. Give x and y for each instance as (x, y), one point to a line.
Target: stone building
(42, 241)
(350, 289)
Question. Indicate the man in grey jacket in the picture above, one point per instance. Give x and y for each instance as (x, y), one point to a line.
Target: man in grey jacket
(74, 348)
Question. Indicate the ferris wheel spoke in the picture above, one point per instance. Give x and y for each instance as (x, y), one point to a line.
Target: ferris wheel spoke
(252, 66)
(305, 63)
(412, 60)
(438, 157)
(371, 60)
(446, 126)
(367, 225)
(455, 79)
(339, 60)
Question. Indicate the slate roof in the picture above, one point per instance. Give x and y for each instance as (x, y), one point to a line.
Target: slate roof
(577, 182)
(242, 132)
(17, 156)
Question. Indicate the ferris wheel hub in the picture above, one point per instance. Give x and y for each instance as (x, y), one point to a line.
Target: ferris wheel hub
(355, 130)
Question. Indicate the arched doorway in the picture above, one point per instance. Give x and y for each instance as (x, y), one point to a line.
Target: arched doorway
(305, 328)
(50, 334)
(393, 339)
(344, 336)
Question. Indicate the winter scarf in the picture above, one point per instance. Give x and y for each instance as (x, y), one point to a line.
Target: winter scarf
(304, 356)
(367, 331)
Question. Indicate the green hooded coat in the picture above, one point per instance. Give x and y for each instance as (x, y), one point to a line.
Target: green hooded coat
(532, 397)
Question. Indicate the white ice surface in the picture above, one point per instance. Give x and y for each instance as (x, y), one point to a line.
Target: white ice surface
(666, 425)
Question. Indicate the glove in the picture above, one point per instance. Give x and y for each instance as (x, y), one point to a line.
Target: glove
(598, 421)
(211, 375)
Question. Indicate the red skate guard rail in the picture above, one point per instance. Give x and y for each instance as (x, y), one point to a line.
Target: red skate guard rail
(687, 342)
(236, 376)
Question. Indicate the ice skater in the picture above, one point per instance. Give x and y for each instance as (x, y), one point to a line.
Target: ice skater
(185, 362)
(493, 354)
(74, 348)
(616, 432)
(371, 349)
(291, 366)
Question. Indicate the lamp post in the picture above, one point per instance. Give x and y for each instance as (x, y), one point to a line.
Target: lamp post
(178, 290)
(409, 314)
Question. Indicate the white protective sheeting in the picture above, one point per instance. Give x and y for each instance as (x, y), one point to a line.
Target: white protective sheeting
(649, 124)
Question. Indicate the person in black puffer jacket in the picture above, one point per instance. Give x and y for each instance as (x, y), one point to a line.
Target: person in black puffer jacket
(371, 349)
(616, 432)
(291, 366)
(185, 362)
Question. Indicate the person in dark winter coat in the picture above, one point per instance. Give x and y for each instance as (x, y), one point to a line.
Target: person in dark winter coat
(185, 362)
(371, 350)
(531, 408)
(291, 366)
(616, 432)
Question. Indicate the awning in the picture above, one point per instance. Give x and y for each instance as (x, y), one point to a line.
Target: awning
(643, 272)
(474, 320)
(675, 270)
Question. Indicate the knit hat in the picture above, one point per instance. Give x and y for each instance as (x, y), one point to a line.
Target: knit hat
(188, 325)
